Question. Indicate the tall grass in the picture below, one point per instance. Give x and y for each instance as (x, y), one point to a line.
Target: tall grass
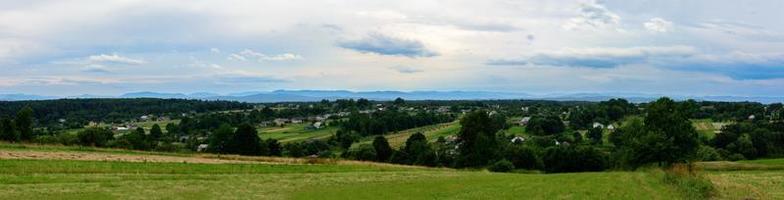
(686, 180)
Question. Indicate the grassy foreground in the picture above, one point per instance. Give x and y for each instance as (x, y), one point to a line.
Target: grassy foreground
(65, 179)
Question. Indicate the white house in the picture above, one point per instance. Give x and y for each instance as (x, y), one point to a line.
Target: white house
(524, 121)
(202, 147)
(598, 125)
(610, 127)
(518, 139)
(316, 125)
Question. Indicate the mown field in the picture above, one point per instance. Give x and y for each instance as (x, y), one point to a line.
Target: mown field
(60, 178)
(754, 179)
(295, 133)
(431, 132)
(60, 172)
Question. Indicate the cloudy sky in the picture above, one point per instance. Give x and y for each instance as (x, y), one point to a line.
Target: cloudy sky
(674, 47)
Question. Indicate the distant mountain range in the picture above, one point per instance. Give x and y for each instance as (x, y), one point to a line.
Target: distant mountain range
(317, 95)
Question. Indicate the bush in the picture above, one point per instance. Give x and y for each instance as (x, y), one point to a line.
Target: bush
(706, 153)
(736, 157)
(94, 136)
(522, 157)
(502, 166)
(363, 152)
(574, 159)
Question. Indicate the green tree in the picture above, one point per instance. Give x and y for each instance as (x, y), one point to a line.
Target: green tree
(522, 157)
(418, 151)
(664, 137)
(363, 152)
(477, 142)
(155, 133)
(219, 139)
(245, 141)
(382, 148)
(547, 125)
(274, 147)
(94, 136)
(595, 134)
(24, 123)
(8, 131)
(399, 101)
(137, 139)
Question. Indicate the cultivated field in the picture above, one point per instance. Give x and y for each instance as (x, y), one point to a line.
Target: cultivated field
(295, 133)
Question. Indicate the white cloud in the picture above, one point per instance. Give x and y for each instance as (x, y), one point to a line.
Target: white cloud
(236, 57)
(114, 58)
(658, 25)
(406, 70)
(592, 15)
(215, 50)
(247, 53)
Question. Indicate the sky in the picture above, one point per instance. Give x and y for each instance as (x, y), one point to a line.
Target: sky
(671, 47)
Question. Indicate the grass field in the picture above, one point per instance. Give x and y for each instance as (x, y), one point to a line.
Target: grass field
(295, 133)
(753, 179)
(707, 127)
(60, 178)
(432, 132)
(48, 175)
(55, 179)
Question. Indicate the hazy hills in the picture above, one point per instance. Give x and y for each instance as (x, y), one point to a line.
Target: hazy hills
(317, 95)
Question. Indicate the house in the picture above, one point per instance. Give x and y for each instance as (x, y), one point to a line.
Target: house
(280, 121)
(144, 117)
(316, 125)
(597, 125)
(610, 127)
(121, 128)
(184, 138)
(751, 117)
(296, 120)
(524, 121)
(202, 147)
(518, 140)
(556, 142)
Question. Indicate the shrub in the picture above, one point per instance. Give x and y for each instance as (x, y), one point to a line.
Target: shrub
(502, 166)
(736, 157)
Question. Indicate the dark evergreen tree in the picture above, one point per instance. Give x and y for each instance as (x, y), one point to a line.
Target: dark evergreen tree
(382, 148)
(8, 130)
(245, 141)
(24, 123)
(477, 142)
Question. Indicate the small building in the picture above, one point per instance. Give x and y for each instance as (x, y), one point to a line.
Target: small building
(610, 127)
(280, 121)
(202, 147)
(598, 125)
(296, 120)
(751, 117)
(518, 140)
(524, 121)
(316, 125)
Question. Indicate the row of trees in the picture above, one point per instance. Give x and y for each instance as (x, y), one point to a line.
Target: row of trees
(78, 112)
(662, 137)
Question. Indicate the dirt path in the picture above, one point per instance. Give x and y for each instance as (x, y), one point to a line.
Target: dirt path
(42, 155)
